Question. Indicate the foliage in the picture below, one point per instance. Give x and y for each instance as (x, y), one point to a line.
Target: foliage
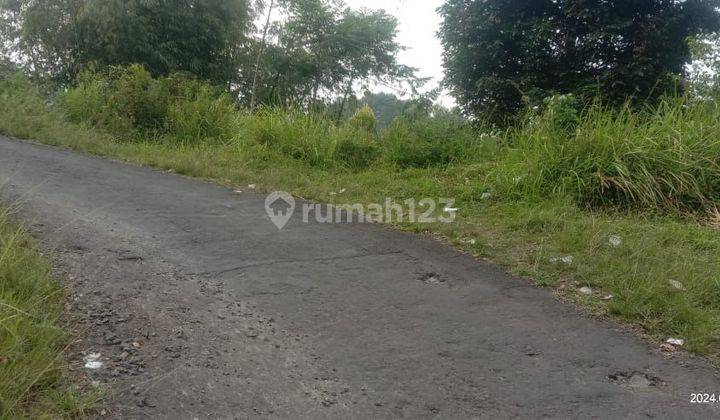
(364, 120)
(129, 102)
(428, 141)
(59, 38)
(502, 54)
(356, 150)
(322, 49)
(32, 381)
(665, 159)
(386, 106)
(704, 71)
(306, 137)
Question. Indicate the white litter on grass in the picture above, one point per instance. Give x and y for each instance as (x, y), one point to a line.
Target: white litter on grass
(607, 297)
(676, 284)
(565, 260)
(486, 196)
(615, 241)
(92, 361)
(343, 191)
(676, 342)
(451, 210)
(586, 291)
(252, 186)
(469, 241)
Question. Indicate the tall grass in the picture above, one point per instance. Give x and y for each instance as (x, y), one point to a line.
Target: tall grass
(32, 381)
(667, 158)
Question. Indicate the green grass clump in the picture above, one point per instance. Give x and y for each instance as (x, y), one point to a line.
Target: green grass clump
(32, 381)
(306, 137)
(667, 158)
(429, 141)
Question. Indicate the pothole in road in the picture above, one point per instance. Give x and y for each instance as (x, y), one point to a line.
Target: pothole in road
(432, 278)
(634, 379)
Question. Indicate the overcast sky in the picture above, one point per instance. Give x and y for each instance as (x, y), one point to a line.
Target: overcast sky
(419, 23)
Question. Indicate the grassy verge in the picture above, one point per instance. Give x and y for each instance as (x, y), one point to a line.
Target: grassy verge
(32, 380)
(659, 270)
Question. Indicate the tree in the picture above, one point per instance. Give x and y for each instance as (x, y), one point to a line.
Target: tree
(39, 34)
(704, 71)
(261, 50)
(502, 53)
(58, 38)
(322, 48)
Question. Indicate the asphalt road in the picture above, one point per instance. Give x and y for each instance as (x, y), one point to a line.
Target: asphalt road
(201, 308)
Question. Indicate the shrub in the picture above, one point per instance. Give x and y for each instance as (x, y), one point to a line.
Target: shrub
(307, 137)
(24, 110)
(356, 149)
(364, 120)
(130, 103)
(87, 102)
(138, 98)
(667, 158)
(202, 115)
(125, 101)
(563, 112)
(428, 141)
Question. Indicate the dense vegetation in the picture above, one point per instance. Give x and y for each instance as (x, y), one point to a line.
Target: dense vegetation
(501, 55)
(319, 50)
(32, 384)
(582, 154)
(665, 158)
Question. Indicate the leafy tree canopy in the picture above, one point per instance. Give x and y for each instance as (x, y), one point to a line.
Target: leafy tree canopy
(58, 38)
(323, 48)
(502, 53)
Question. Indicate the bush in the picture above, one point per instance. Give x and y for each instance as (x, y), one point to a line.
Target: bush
(356, 149)
(428, 141)
(364, 120)
(563, 112)
(87, 103)
(203, 115)
(136, 97)
(24, 110)
(307, 137)
(130, 103)
(125, 101)
(667, 158)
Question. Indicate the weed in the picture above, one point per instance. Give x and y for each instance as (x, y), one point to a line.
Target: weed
(32, 377)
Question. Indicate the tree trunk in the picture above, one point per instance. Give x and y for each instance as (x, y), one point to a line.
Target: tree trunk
(253, 92)
(345, 97)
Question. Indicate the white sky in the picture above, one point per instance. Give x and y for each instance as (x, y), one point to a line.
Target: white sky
(418, 26)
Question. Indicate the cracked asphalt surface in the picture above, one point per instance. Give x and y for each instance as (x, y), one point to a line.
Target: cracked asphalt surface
(201, 308)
